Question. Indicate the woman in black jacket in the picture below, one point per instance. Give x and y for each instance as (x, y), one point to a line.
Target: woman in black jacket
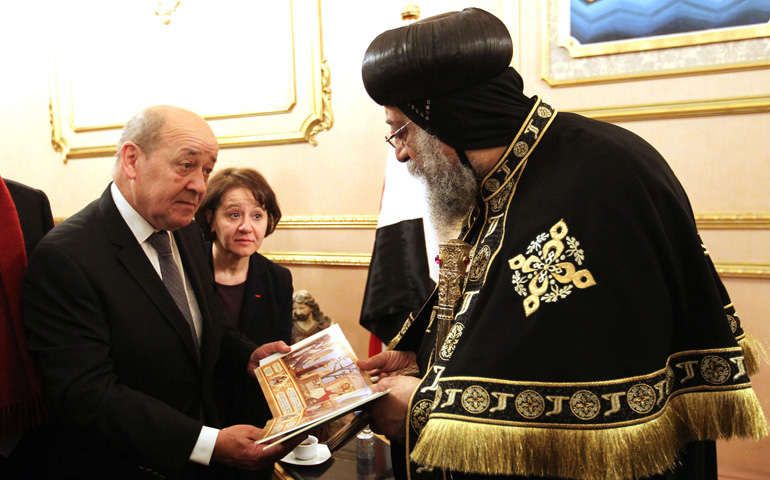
(238, 212)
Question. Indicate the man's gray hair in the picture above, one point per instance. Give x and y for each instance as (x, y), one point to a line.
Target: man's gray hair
(144, 129)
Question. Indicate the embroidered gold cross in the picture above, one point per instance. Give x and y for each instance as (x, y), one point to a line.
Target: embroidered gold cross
(547, 267)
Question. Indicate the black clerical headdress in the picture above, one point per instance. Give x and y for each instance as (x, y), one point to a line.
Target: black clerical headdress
(451, 75)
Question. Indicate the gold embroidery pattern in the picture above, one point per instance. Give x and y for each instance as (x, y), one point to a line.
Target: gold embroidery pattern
(526, 140)
(520, 149)
(641, 398)
(492, 184)
(420, 413)
(498, 201)
(548, 265)
(475, 399)
(436, 398)
(479, 265)
(584, 405)
(670, 377)
(451, 340)
(530, 404)
(715, 370)
(600, 404)
(733, 323)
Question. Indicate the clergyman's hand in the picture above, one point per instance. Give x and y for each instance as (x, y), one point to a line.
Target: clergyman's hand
(236, 447)
(265, 351)
(389, 411)
(390, 362)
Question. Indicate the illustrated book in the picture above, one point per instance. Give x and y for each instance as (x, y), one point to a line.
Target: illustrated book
(318, 381)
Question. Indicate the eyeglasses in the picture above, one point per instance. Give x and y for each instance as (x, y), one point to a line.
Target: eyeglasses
(389, 138)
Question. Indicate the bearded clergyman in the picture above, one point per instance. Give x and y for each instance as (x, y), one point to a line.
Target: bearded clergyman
(592, 337)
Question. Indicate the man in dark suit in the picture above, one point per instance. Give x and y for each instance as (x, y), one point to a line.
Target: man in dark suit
(25, 216)
(127, 365)
(34, 211)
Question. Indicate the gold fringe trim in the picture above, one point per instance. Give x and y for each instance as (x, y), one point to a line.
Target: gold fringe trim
(615, 453)
(754, 353)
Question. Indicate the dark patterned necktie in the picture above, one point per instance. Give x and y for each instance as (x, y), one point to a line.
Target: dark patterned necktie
(172, 278)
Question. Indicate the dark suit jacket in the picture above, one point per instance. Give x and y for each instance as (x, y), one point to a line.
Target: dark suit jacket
(34, 212)
(116, 354)
(266, 316)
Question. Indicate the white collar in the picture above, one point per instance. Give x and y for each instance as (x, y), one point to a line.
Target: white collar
(140, 227)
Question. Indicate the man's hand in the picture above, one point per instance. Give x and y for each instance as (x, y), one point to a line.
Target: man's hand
(390, 362)
(389, 412)
(265, 351)
(235, 446)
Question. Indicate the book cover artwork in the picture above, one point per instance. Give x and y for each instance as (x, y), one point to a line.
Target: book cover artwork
(315, 382)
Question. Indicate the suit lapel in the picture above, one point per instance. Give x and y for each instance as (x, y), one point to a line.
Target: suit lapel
(133, 258)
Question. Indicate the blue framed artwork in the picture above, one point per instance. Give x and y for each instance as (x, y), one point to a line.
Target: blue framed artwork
(588, 41)
(600, 21)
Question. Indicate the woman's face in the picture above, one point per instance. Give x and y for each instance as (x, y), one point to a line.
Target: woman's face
(239, 223)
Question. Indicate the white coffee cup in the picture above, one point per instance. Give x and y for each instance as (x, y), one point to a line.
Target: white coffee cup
(307, 449)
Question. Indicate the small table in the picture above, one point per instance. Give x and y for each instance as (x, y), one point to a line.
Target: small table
(344, 465)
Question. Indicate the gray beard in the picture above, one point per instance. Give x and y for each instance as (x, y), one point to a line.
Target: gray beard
(452, 186)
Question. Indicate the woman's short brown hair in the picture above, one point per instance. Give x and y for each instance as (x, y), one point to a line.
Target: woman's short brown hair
(222, 182)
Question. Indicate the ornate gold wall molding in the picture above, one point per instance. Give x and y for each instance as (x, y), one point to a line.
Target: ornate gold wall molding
(315, 222)
(731, 221)
(727, 221)
(324, 259)
(329, 221)
(663, 110)
(749, 221)
(725, 270)
(263, 96)
(743, 270)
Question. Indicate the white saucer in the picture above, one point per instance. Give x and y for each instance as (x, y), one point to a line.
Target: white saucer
(322, 454)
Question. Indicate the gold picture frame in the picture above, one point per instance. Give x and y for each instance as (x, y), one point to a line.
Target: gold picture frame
(258, 76)
(565, 62)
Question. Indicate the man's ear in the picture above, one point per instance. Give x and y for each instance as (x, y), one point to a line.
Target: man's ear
(130, 154)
